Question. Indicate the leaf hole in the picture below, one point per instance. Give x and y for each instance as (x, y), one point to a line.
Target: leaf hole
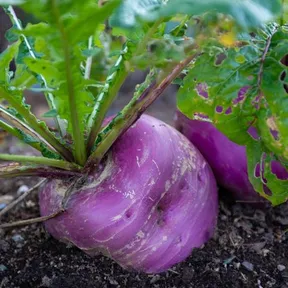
(257, 170)
(220, 58)
(252, 131)
(283, 76)
(201, 116)
(241, 95)
(228, 111)
(279, 170)
(267, 191)
(219, 109)
(284, 60)
(201, 89)
(262, 168)
(256, 101)
(275, 134)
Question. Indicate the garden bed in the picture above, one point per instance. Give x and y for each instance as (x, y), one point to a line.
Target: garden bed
(250, 249)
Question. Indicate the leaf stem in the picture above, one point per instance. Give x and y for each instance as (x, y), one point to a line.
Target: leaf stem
(89, 60)
(12, 170)
(21, 126)
(31, 221)
(49, 96)
(132, 112)
(31, 119)
(113, 83)
(16, 133)
(40, 160)
(78, 137)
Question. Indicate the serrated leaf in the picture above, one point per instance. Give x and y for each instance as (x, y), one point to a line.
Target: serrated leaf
(91, 52)
(50, 114)
(44, 68)
(22, 79)
(243, 87)
(11, 34)
(5, 59)
(89, 18)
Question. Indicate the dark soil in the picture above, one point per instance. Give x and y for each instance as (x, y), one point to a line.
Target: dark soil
(250, 249)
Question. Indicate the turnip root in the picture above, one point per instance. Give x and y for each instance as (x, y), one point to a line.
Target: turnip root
(152, 201)
(227, 159)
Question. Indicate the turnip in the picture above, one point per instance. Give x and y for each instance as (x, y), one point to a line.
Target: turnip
(134, 188)
(152, 201)
(227, 159)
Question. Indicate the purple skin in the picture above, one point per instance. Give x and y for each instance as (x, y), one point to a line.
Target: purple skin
(227, 159)
(153, 201)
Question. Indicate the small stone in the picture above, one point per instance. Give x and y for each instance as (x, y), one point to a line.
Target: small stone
(113, 282)
(281, 267)
(155, 279)
(237, 265)
(258, 247)
(229, 260)
(22, 189)
(18, 238)
(46, 281)
(3, 268)
(249, 266)
(188, 274)
(30, 204)
(4, 246)
(265, 252)
(224, 217)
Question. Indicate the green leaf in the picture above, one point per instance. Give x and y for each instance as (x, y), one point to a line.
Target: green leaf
(89, 19)
(91, 52)
(247, 13)
(68, 25)
(131, 10)
(45, 68)
(263, 177)
(11, 34)
(50, 114)
(39, 128)
(5, 59)
(22, 79)
(243, 87)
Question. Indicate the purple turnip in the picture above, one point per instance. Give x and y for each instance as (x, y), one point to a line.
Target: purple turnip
(227, 159)
(152, 201)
